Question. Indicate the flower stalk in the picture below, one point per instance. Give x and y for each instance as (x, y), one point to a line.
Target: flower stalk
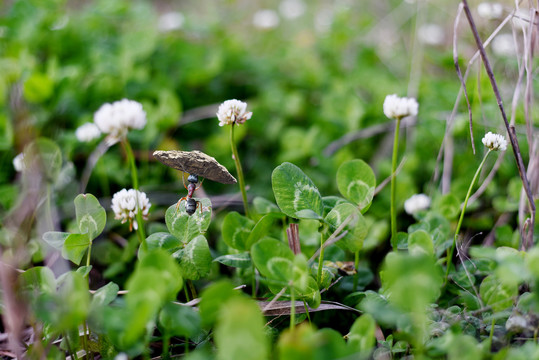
(239, 170)
(394, 186)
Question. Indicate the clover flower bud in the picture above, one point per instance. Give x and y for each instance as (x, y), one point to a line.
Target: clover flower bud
(18, 162)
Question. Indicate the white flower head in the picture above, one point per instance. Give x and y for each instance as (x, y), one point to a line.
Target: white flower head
(495, 141)
(233, 112)
(124, 205)
(416, 203)
(292, 9)
(87, 132)
(18, 162)
(490, 11)
(117, 118)
(431, 34)
(170, 21)
(504, 45)
(266, 19)
(396, 107)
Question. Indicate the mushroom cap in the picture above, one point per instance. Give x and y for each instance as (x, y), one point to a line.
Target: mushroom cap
(196, 163)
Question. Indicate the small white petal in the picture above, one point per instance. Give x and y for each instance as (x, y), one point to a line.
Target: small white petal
(397, 107)
(416, 203)
(87, 132)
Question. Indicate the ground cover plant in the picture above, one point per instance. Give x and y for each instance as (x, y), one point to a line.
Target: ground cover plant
(365, 189)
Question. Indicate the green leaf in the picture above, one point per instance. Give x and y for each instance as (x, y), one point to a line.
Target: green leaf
(179, 320)
(311, 293)
(105, 295)
(362, 334)
(240, 331)
(73, 300)
(295, 192)
(356, 182)
(463, 347)
(357, 227)
(496, 294)
(272, 258)
(91, 217)
(186, 227)
(264, 206)
(161, 240)
(305, 342)
(38, 280)
(195, 259)
(420, 242)
(242, 260)
(56, 239)
(236, 231)
(75, 246)
(212, 300)
(38, 88)
(448, 205)
(262, 228)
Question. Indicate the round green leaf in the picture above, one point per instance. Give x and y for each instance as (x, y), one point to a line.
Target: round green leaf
(262, 228)
(356, 182)
(420, 242)
(362, 334)
(264, 206)
(162, 240)
(186, 227)
(56, 239)
(91, 216)
(496, 294)
(236, 230)
(75, 246)
(296, 194)
(266, 251)
(357, 227)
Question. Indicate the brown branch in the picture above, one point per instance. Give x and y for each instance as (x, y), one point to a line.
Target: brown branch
(510, 129)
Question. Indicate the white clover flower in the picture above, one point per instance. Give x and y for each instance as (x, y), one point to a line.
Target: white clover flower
(124, 205)
(265, 19)
(292, 9)
(495, 141)
(233, 112)
(490, 11)
(18, 163)
(117, 118)
(416, 203)
(431, 34)
(170, 21)
(396, 107)
(87, 132)
(504, 45)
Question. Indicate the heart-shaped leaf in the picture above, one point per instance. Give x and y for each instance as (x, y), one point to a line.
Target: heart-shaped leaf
(75, 246)
(236, 231)
(295, 192)
(56, 239)
(264, 254)
(357, 226)
(195, 259)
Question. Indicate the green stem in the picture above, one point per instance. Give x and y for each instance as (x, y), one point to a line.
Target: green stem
(320, 260)
(192, 288)
(356, 264)
(307, 311)
(253, 281)
(491, 335)
(292, 307)
(476, 176)
(166, 346)
(186, 293)
(134, 179)
(239, 171)
(394, 186)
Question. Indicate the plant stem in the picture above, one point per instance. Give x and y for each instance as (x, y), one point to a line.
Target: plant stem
(491, 335)
(450, 254)
(320, 261)
(253, 281)
(239, 171)
(356, 264)
(292, 307)
(307, 311)
(166, 346)
(134, 179)
(394, 185)
(192, 288)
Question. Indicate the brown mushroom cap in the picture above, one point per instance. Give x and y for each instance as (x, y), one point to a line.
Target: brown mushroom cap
(195, 163)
